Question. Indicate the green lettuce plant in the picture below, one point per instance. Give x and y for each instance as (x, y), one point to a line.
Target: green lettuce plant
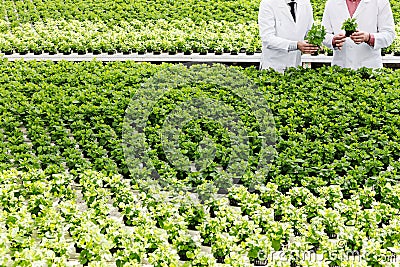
(350, 26)
(258, 247)
(185, 246)
(316, 34)
(223, 245)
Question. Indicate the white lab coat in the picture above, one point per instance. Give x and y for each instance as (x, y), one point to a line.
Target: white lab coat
(278, 30)
(372, 16)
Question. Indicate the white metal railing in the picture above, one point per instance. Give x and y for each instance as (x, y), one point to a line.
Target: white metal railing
(307, 60)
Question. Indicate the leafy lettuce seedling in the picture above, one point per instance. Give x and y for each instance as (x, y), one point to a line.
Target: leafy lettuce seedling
(350, 26)
(316, 34)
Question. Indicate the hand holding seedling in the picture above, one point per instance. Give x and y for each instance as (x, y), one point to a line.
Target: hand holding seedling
(307, 48)
(360, 37)
(338, 40)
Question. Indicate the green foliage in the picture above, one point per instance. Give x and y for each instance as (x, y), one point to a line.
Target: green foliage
(349, 25)
(113, 12)
(316, 34)
(120, 26)
(180, 35)
(336, 170)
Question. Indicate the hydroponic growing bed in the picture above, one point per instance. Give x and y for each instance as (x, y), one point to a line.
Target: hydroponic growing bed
(70, 196)
(44, 26)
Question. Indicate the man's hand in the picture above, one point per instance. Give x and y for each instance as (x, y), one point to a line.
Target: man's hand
(360, 37)
(306, 48)
(338, 40)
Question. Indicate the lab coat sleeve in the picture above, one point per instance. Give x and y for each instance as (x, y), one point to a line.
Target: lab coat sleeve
(386, 29)
(267, 26)
(327, 23)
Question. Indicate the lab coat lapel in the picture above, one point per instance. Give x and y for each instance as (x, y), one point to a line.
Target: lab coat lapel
(360, 8)
(300, 11)
(284, 9)
(342, 8)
